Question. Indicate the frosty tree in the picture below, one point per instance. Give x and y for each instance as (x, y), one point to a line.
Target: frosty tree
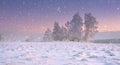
(64, 33)
(68, 30)
(90, 26)
(75, 28)
(57, 33)
(47, 35)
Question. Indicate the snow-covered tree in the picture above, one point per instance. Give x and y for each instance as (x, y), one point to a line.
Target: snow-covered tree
(47, 35)
(67, 25)
(64, 33)
(57, 33)
(75, 28)
(68, 30)
(90, 26)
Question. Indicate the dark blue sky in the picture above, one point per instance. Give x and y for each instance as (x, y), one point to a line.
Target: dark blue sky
(34, 16)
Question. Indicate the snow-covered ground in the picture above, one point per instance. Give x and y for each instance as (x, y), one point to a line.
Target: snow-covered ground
(59, 53)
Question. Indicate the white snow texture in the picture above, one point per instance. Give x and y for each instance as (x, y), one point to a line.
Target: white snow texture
(59, 53)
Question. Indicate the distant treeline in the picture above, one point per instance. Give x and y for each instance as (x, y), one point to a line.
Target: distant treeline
(107, 41)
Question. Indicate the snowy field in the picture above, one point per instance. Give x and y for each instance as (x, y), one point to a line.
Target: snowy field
(59, 53)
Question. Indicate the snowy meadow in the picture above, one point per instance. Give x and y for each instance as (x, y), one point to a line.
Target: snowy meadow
(59, 32)
(59, 53)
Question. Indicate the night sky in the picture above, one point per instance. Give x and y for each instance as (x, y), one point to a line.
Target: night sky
(34, 16)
